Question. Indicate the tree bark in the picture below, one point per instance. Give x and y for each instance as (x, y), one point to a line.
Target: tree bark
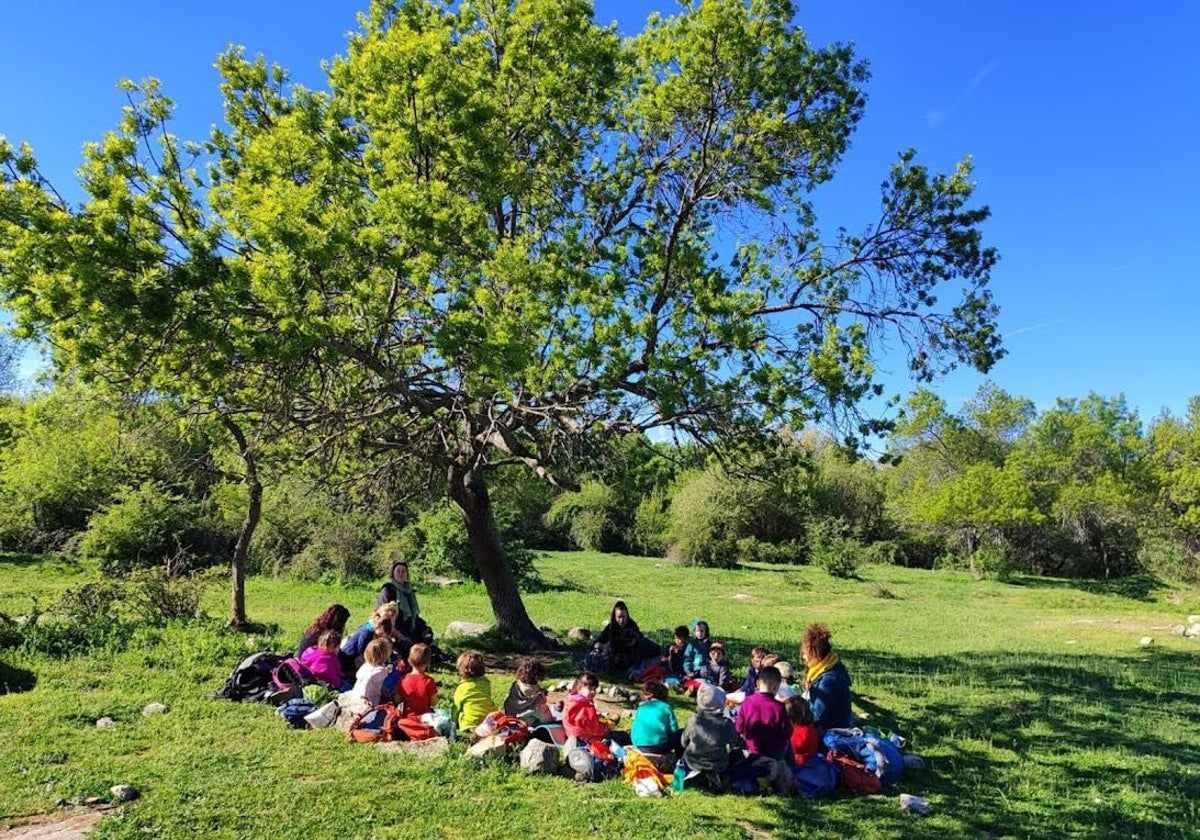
(469, 492)
(253, 512)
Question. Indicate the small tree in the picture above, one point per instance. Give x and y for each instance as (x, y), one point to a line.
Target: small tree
(505, 231)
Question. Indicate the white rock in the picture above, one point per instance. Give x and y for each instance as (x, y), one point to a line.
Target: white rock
(579, 634)
(1193, 631)
(125, 793)
(1178, 630)
(466, 629)
(1193, 619)
(154, 709)
(105, 722)
(1146, 640)
(915, 804)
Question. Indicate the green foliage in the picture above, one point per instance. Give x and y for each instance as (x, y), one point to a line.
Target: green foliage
(588, 516)
(437, 544)
(146, 526)
(830, 549)
(500, 233)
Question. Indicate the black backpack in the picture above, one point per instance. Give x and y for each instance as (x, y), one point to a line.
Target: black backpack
(251, 680)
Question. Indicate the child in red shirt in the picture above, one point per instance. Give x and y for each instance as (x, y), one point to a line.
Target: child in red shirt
(806, 741)
(417, 689)
(580, 718)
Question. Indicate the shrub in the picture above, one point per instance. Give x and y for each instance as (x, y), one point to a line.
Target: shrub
(437, 544)
(652, 524)
(590, 517)
(147, 525)
(990, 561)
(166, 593)
(834, 552)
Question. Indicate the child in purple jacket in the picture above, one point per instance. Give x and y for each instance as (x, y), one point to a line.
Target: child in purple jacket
(763, 721)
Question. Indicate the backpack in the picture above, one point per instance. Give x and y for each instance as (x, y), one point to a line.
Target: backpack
(378, 723)
(854, 775)
(251, 679)
(414, 729)
(294, 712)
(291, 674)
(816, 776)
(880, 755)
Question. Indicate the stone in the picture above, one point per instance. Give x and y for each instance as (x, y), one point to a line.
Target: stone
(1192, 631)
(424, 750)
(154, 709)
(1178, 630)
(539, 757)
(92, 801)
(1193, 619)
(1146, 640)
(562, 685)
(579, 634)
(914, 804)
(466, 629)
(105, 722)
(125, 793)
(439, 580)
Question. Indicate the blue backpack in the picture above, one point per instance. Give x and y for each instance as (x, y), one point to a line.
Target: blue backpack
(293, 711)
(881, 756)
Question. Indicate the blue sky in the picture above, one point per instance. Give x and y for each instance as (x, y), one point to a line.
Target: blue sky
(1082, 118)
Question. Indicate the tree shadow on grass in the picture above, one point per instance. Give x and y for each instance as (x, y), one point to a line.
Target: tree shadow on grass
(1141, 587)
(1022, 745)
(14, 680)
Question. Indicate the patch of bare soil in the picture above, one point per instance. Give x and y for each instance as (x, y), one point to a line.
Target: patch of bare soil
(67, 825)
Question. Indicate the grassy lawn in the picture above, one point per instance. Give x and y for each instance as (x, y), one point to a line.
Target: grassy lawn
(1038, 711)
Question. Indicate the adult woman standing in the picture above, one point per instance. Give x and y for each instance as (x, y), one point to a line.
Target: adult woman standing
(826, 680)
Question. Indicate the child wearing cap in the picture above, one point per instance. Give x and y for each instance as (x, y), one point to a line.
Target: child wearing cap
(709, 737)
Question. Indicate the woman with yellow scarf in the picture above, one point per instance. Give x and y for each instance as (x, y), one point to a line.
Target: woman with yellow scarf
(826, 680)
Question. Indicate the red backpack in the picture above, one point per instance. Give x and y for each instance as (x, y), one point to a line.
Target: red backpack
(855, 777)
(378, 723)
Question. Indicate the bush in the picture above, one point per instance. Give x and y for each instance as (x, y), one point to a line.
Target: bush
(590, 517)
(437, 544)
(990, 561)
(652, 524)
(146, 526)
(166, 593)
(834, 552)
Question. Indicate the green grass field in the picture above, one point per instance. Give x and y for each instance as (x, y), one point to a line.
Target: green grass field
(1038, 711)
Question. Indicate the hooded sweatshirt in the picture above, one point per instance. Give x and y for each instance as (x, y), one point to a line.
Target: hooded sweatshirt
(527, 702)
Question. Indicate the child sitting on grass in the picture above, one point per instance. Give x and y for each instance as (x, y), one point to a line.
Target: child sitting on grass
(580, 718)
(655, 729)
(322, 659)
(472, 701)
(695, 653)
(763, 721)
(716, 671)
(418, 691)
(674, 653)
(709, 740)
(806, 741)
(527, 699)
(368, 681)
(757, 654)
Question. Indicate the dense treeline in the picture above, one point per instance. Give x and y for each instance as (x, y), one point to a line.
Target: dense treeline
(1081, 489)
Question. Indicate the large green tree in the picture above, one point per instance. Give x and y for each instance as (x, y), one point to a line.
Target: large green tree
(505, 231)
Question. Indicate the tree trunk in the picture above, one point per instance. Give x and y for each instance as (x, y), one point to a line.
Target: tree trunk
(253, 512)
(470, 493)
